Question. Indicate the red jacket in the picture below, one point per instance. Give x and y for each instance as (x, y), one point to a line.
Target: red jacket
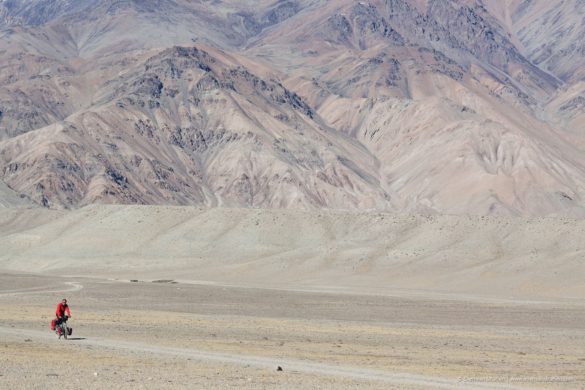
(62, 308)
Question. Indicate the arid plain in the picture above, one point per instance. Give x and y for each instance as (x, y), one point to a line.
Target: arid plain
(207, 315)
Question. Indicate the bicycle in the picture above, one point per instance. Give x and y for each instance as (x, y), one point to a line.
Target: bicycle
(62, 329)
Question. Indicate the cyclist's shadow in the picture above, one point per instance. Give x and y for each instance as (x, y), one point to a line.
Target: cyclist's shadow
(76, 338)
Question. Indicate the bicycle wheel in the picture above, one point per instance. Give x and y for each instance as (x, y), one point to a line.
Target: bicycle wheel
(64, 330)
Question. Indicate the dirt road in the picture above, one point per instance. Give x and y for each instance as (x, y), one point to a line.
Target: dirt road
(175, 335)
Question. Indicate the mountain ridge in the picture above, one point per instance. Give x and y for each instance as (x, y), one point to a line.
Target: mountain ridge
(416, 106)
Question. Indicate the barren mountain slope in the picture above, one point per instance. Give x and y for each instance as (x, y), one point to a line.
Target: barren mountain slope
(490, 167)
(551, 33)
(37, 12)
(10, 198)
(566, 111)
(444, 37)
(435, 106)
(535, 258)
(54, 61)
(470, 90)
(187, 127)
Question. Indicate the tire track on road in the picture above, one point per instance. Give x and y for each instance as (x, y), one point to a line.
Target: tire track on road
(75, 286)
(290, 365)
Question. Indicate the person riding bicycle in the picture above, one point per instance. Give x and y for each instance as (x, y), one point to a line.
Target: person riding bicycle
(62, 309)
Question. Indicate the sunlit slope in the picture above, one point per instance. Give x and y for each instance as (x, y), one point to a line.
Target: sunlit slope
(493, 256)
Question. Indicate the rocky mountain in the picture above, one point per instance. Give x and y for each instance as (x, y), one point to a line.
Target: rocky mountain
(38, 12)
(187, 127)
(458, 106)
(9, 198)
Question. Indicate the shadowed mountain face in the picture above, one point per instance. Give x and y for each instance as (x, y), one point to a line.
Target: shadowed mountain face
(463, 106)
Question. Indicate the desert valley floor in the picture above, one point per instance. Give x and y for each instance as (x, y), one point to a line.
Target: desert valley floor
(166, 335)
(183, 297)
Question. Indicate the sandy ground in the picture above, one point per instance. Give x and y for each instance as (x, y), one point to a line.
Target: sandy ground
(176, 297)
(491, 257)
(176, 335)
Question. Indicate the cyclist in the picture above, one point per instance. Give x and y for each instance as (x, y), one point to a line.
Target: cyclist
(62, 309)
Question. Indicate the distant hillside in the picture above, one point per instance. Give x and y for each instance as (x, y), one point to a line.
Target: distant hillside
(437, 106)
(494, 257)
(10, 198)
